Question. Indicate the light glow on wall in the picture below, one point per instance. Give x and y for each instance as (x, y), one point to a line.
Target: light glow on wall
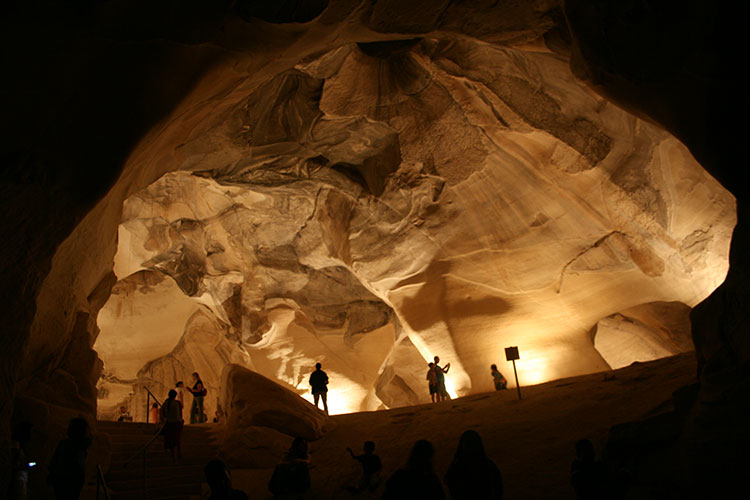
(449, 387)
(345, 397)
(532, 368)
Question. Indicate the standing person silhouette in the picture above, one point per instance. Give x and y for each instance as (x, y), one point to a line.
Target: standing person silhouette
(371, 467)
(19, 464)
(198, 391)
(432, 381)
(171, 412)
(440, 371)
(417, 479)
(588, 476)
(67, 469)
(291, 478)
(319, 384)
(472, 475)
(180, 388)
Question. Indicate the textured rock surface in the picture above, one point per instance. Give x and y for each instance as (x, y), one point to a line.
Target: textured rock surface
(102, 100)
(643, 333)
(253, 403)
(463, 195)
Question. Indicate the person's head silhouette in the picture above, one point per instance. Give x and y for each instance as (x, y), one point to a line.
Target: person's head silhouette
(420, 459)
(298, 449)
(369, 447)
(318, 366)
(585, 450)
(218, 477)
(78, 432)
(470, 448)
(172, 394)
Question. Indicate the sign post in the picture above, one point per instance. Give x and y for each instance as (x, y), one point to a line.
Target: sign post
(511, 354)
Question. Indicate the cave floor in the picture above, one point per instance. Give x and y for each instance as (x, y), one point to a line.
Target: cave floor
(532, 440)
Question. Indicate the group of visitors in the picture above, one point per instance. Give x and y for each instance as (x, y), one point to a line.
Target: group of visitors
(291, 478)
(472, 475)
(436, 380)
(171, 414)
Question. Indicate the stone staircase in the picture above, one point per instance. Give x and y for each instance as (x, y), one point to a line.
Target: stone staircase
(164, 480)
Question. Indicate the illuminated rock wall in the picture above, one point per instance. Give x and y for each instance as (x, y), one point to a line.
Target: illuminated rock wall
(462, 195)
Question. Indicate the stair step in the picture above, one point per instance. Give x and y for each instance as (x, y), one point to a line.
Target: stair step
(194, 470)
(136, 483)
(164, 480)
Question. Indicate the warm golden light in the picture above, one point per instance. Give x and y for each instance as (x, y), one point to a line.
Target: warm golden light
(345, 397)
(532, 368)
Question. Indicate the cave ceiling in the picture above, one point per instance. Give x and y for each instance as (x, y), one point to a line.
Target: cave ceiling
(370, 202)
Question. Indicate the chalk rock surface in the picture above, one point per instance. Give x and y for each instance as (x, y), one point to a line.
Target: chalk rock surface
(379, 203)
(251, 400)
(643, 333)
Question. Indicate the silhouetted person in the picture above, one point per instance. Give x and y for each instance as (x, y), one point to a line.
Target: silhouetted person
(198, 391)
(155, 412)
(371, 467)
(319, 384)
(418, 479)
(432, 381)
(19, 464)
(220, 481)
(498, 379)
(291, 477)
(172, 417)
(440, 371)
(124, 415)
(180, 388)
(67, 469)
(472, 475)
(587, 475)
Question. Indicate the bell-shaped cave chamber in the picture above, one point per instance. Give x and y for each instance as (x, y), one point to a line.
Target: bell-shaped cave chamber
(370, 208)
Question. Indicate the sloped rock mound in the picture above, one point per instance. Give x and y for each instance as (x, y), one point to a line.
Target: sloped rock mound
(262, 419)
(251, 400)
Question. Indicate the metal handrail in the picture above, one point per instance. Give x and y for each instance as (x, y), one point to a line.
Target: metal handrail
(152, 395)
(142, 451)
(148, 402)
(100, 481)
(143, 448)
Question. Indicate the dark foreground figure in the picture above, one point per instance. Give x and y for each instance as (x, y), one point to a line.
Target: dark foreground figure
(220, 481)
(472, 475)
(418, 480)
(587, 475)
(67, 470)
(319, 384)
(291, 478)
(371, 467)
(172, 418)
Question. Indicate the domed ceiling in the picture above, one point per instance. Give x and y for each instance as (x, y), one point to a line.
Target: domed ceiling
(375, 204)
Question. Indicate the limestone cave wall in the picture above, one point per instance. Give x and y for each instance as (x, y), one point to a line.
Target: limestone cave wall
(486, 189)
